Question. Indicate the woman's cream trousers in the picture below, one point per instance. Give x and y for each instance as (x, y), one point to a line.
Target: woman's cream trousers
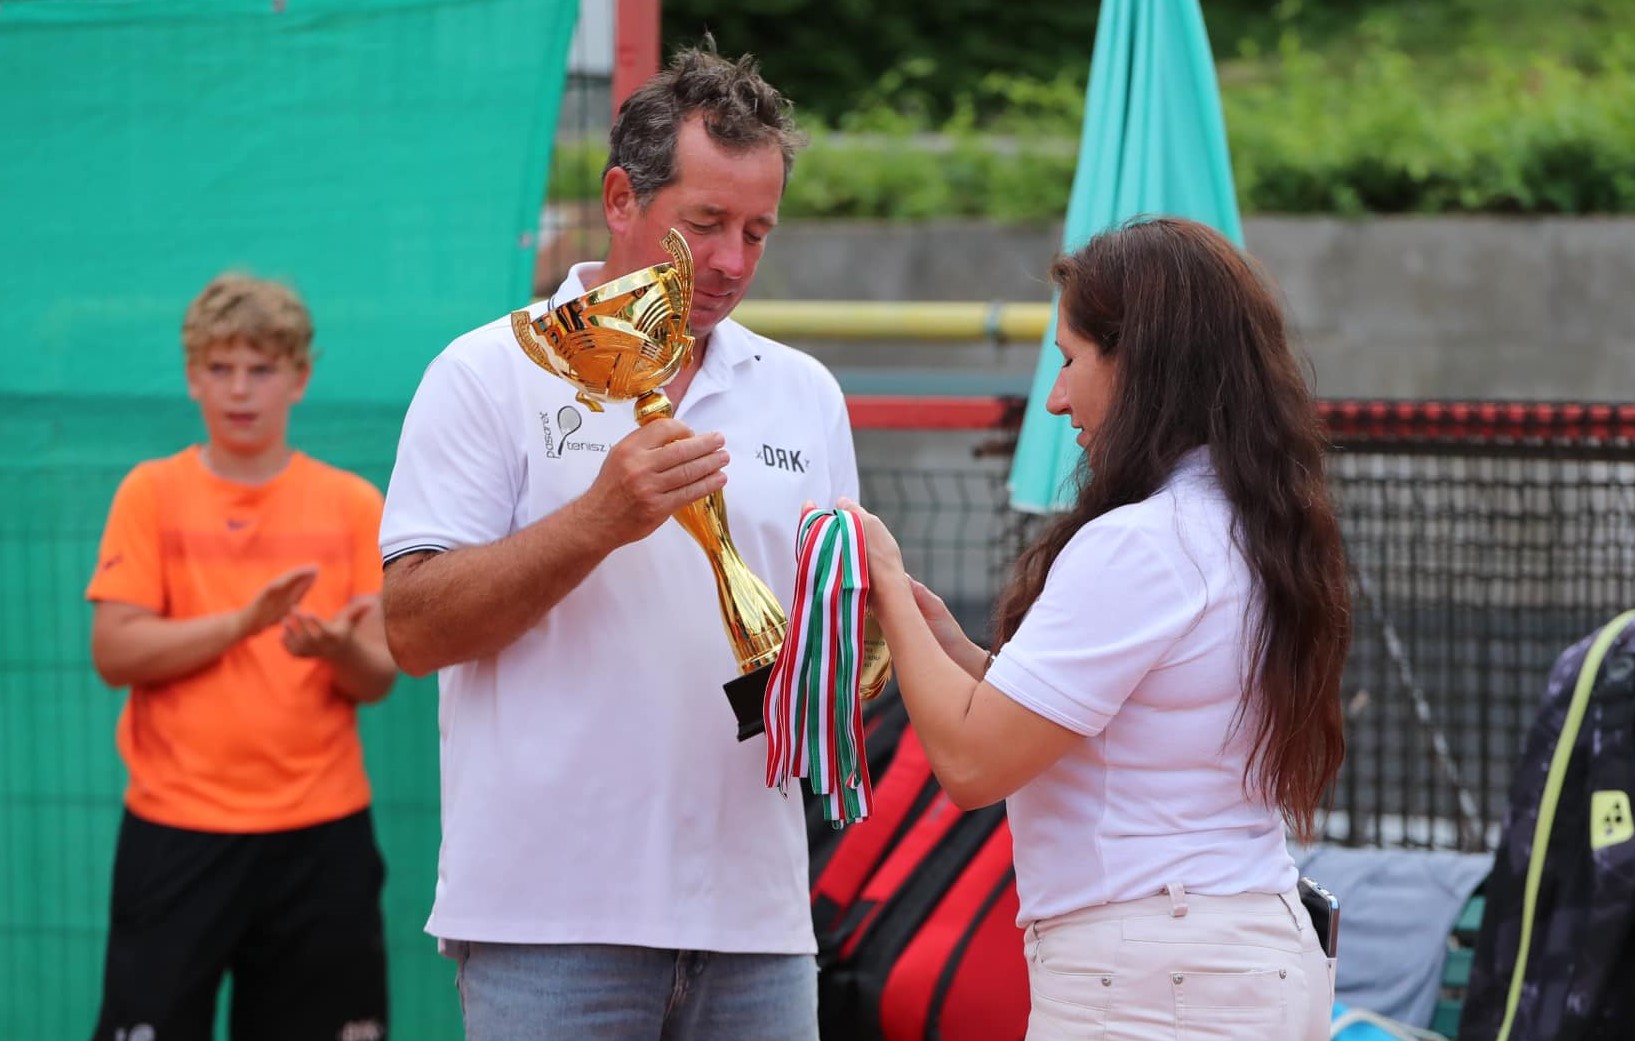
(1180, 967)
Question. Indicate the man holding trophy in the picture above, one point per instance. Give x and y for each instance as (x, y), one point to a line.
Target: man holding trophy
(613, 864)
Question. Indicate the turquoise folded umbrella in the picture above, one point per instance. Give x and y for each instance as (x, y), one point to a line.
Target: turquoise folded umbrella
(1153, 143)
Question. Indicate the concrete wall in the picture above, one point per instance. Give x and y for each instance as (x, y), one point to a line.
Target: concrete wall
(1534, 308)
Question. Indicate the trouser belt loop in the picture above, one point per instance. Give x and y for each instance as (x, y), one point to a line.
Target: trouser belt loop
(1177, 900)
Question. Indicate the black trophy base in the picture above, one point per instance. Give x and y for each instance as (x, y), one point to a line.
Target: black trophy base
(746, 695)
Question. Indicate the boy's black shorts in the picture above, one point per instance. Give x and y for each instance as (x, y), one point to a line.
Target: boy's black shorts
(294, 916)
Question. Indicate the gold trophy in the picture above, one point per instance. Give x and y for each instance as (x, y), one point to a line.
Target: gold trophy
(624, 340)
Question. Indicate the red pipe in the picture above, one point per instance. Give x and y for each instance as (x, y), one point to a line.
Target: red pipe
(1346, 419)
(901, 412)
(635, 47)
(1479, 421)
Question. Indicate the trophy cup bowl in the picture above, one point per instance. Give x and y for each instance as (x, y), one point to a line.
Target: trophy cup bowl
(623, 341)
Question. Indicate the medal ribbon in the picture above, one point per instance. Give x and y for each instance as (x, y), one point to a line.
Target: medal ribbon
(812, 708)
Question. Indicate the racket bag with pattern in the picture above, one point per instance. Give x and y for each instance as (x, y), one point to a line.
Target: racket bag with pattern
(861, 988)
(962, 976)
(884, 719)
(843, 861)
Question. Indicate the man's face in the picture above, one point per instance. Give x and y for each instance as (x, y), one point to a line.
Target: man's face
(245, 396)
(723, 203)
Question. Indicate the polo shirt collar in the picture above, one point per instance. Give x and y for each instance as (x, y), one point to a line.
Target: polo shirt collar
(1193, 461)
(1194, 465)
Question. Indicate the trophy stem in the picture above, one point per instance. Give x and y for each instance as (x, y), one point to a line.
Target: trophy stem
(653, 405)
(754, 621)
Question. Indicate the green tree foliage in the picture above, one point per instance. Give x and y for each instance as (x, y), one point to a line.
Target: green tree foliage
(834, 57)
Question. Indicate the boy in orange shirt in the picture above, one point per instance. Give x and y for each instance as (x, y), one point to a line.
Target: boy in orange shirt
(237, 596)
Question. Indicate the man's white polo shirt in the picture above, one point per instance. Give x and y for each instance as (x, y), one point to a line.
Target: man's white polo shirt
(593, 787)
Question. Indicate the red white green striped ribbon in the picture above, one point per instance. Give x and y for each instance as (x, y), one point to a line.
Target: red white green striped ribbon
(812, 709)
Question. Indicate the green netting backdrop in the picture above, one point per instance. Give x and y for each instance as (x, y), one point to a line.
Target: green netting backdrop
(388, 157)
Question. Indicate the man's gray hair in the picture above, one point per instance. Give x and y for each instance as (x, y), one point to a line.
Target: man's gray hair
(740, 111)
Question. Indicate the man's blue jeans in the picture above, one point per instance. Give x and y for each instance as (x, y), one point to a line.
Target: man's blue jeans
(591, 992)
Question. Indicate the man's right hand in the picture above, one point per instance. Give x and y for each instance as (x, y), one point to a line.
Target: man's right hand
(276, 600)
(473, 601)
(650, 474)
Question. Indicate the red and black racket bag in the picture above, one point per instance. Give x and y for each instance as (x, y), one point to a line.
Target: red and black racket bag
(915, 910)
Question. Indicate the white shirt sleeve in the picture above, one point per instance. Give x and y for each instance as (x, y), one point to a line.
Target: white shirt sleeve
(455, 482)
(1113, 606)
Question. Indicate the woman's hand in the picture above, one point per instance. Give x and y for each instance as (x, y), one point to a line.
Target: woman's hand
(886, 569)
(885, 556)
(950, 637)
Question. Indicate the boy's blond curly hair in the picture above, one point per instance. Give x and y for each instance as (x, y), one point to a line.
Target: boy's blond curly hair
(238, 308)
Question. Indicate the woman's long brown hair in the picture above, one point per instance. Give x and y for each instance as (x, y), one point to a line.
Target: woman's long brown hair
(1201, 358)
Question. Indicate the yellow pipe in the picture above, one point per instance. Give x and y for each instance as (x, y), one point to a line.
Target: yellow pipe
(953, 321)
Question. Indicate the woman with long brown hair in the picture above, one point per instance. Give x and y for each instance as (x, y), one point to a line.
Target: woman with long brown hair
(1163, 706)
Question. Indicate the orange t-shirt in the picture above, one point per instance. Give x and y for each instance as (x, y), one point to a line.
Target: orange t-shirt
(258, 740)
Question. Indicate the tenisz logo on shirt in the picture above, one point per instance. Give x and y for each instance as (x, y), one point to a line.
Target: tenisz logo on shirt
(568, 420)
(782, 458)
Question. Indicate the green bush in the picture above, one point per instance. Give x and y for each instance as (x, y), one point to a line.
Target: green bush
(1544, 137)
(1485, 131)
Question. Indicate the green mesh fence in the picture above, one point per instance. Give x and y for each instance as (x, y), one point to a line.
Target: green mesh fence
(389, 158)
(60, 778)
